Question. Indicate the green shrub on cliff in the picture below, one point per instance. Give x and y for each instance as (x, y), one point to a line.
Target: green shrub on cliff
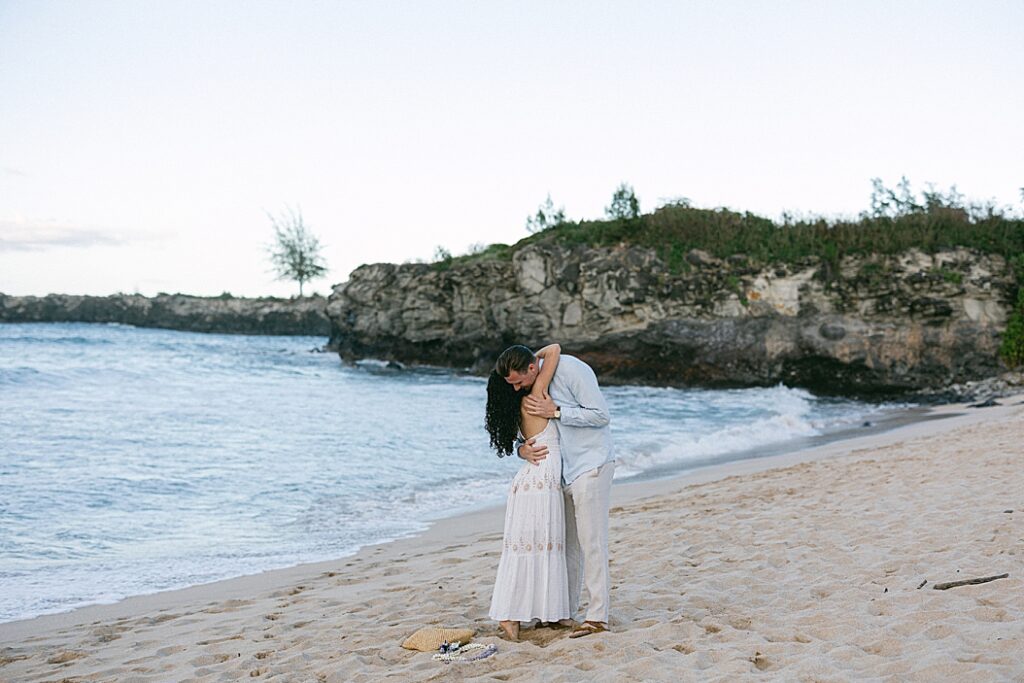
(442, 258)
(1012, 348)
(898, 220)
(547, 217)
(625, 206)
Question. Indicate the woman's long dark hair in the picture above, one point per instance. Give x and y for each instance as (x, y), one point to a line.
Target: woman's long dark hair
(502, 417)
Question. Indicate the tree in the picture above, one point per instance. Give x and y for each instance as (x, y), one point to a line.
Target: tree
(546, 217)
(625, 206)
(295, 252)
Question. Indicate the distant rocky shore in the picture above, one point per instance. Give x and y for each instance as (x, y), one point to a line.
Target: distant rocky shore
(922, 323)
(867, 325)
(229, 315)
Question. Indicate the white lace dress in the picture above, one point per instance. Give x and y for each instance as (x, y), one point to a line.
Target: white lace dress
(532, 582)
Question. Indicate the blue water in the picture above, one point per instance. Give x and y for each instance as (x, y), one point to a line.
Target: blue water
(136, 460)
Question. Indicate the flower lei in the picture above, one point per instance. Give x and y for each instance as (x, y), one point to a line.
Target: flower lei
(457, 652)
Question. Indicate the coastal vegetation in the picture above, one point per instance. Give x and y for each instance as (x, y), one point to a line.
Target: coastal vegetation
(295, 253)
(897, 219)
(1012, 348)
(547, 217)
(625, 206)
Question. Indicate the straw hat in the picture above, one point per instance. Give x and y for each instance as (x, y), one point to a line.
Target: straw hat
(430, 638)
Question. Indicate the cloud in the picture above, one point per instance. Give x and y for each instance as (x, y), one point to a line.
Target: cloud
(42, 235)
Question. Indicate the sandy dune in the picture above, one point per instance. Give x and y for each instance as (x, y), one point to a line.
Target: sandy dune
(804, 567)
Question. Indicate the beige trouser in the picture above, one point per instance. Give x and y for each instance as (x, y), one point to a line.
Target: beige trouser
(586, 540)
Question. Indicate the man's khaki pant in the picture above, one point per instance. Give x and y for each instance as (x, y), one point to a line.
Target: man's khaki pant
(586, 540)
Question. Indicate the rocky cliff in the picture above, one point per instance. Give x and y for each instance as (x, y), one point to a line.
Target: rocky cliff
(231, 315)
(862, 325)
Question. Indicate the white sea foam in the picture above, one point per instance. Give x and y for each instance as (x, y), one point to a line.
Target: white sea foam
(711, 426)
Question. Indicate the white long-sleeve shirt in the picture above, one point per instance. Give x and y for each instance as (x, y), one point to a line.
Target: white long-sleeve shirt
(586, 439)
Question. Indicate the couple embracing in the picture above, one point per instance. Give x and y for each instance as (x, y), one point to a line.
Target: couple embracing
(548, 408)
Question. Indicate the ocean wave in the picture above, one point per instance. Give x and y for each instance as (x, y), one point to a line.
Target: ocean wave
(22, 375)
(57, 340)
(733, 439)
(734, 422)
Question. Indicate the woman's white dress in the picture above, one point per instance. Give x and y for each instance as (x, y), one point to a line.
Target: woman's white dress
(532, 581)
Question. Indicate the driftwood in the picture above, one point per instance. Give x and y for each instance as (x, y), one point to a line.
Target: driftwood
(967, 582)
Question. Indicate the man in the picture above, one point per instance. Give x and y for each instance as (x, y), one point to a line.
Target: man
(580, 412)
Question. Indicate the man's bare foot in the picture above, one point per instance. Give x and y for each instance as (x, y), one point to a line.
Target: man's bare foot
(510, 629)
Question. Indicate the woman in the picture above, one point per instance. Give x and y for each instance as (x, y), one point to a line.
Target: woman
(532, 581)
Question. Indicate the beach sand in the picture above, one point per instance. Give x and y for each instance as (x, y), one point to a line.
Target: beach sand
(803, 567)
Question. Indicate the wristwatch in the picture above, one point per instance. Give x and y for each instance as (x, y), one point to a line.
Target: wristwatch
(558, 413)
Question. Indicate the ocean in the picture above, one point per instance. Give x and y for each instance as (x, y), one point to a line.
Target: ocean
(138, 460)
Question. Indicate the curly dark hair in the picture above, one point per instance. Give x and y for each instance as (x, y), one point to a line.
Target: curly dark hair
(502, 417)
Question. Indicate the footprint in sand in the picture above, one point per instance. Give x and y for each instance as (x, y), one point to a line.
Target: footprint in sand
(219, 640)
(761, 662)
(207, 660)
(65, 656)
(228, 606)
(107, 634)
(159, 619)
(740, 623)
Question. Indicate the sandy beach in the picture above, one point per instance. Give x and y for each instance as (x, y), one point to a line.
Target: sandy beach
(802, 567)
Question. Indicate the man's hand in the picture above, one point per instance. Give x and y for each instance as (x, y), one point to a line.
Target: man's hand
(533, 454)
(541, 407)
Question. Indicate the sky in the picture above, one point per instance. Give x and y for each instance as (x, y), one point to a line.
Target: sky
(143, 142)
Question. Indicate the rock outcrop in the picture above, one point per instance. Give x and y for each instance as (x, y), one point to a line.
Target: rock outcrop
(231, 315)
(864, 325)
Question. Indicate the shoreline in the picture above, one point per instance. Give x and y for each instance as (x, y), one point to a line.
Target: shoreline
(883, 417)
(489, 517)
(224, 314)
(894, 419)
(808, 565)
